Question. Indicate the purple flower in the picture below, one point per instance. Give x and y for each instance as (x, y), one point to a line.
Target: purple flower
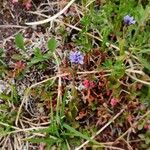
(128, 20)
(76, 57)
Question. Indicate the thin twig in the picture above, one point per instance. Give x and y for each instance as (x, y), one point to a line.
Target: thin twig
(138, 80)
(7, 125)
(5, 142)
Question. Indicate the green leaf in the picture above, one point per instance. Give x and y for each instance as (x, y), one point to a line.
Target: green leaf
(37, 52)
(118, 70)
(77, 133)
(36, 60)
(49, 141)
(121, 46)
(108, 64)
(140, 126)
(145, 62)
(19, 41)
(46, 56)
(52, 44)
(145, 51)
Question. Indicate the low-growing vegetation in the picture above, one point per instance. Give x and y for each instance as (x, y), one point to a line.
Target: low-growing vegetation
(75, 75)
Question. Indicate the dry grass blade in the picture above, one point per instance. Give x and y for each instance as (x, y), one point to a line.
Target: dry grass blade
(138, 80)
(13, 26)
(53, 17)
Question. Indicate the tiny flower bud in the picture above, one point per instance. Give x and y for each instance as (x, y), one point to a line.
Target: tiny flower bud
(113, 102)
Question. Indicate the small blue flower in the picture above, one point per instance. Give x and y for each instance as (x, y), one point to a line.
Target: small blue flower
(76, 57)
(128, 20)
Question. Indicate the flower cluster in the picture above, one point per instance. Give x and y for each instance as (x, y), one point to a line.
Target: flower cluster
(113, 102)
(76, 57)
(128, 20)
(88, 84)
